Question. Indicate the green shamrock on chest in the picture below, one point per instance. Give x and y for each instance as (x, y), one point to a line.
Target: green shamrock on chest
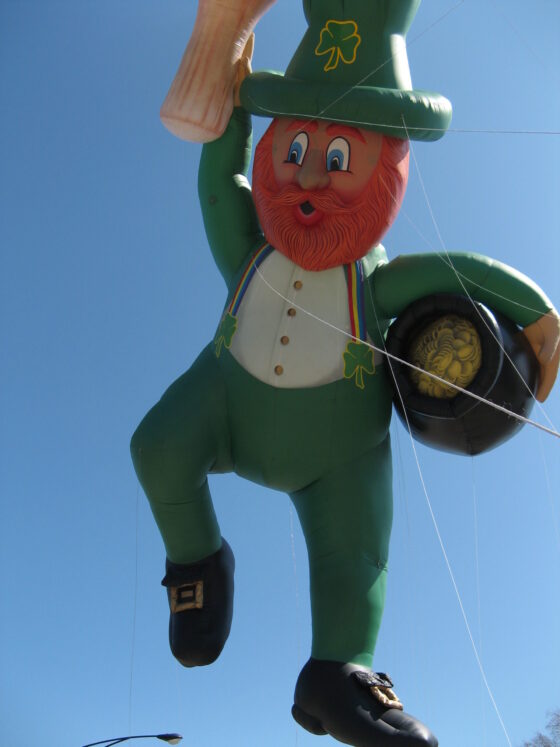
(358, 360)
(225, 332)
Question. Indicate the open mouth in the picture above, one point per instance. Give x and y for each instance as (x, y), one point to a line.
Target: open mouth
(307, 214)
(307, 208)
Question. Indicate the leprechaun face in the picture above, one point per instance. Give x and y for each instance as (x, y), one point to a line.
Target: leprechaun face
(320, 155)
(325, 193)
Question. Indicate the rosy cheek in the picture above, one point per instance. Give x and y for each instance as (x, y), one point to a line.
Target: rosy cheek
(278, 166)
(347, 192)
(285, 173)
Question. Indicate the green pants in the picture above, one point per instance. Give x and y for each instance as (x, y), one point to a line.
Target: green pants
(327, 446)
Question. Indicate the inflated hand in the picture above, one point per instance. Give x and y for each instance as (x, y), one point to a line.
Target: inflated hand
(544, 338)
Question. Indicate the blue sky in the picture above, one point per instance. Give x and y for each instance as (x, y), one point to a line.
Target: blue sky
(108, 293)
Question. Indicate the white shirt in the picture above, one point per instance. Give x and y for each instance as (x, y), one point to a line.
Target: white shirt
(280, 344)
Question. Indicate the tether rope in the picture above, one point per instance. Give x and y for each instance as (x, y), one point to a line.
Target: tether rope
(444, 552)
(477, 578)
(441, 543)
(134, 609)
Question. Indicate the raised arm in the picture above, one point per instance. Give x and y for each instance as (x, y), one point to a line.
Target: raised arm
(397, 284)
(225, 195)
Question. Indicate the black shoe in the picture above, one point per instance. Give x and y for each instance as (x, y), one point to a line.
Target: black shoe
(201, 603)
(355, 706)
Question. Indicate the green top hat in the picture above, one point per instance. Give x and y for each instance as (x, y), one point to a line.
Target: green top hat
(351, 66)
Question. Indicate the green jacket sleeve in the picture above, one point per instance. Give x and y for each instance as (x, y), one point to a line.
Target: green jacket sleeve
(407, 278)
(225, 195)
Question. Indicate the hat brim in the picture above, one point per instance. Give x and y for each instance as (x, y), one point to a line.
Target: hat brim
(415, 115)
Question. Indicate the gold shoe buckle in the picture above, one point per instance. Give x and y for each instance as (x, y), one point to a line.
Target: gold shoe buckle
(386, 696)
(187, 597)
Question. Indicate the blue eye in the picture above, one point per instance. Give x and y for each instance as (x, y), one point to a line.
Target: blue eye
(338, 155)
(298, 149)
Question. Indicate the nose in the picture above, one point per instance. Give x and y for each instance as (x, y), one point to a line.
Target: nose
(313, 173)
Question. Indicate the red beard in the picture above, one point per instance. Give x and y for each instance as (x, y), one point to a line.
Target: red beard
(346, 232)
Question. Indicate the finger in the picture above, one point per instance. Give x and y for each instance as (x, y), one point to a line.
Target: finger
(249, 48)
(550, 326)
(547, 377)
(244, 68)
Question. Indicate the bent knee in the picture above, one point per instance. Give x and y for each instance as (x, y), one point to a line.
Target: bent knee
(157, 450)
(144, 440)
(145, 450)
(170, 457)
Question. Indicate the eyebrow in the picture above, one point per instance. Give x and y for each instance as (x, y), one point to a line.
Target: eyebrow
(339, 129)
(303, 124)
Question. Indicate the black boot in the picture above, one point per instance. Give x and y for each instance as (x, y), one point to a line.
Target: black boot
(355, 706)
(201, 603)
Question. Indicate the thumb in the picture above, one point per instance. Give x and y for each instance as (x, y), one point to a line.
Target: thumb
(249, 48)
(549, 325)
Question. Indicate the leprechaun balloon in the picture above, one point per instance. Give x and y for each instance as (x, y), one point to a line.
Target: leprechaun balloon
(280, 396)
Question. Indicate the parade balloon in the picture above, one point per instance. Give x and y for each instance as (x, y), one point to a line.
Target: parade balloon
(294, 391)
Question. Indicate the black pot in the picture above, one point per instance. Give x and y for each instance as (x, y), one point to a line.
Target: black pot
(508, 377)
